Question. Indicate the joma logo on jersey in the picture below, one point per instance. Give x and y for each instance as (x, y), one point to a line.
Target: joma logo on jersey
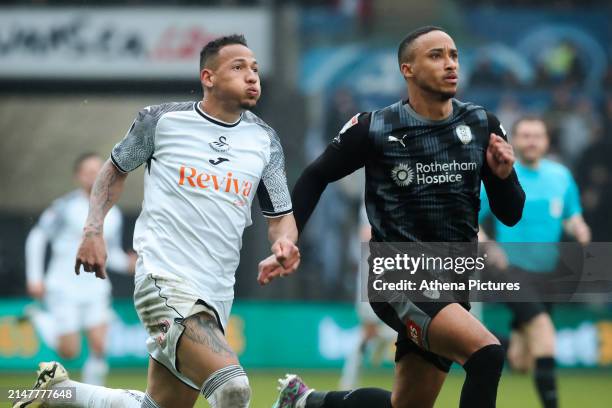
(189, 176)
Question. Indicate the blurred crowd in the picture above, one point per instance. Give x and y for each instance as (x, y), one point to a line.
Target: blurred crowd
(580, 130)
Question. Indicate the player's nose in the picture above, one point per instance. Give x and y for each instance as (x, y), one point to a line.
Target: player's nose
(252, 77)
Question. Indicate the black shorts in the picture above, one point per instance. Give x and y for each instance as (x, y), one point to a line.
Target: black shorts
(523, 312)
(411, 322)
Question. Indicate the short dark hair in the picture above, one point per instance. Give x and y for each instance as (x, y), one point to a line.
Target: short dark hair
(213, 47)
(528, 118)
(403, 51)
(81, 158)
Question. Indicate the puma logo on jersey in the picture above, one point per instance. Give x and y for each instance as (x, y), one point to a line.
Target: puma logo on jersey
(189, 176)
(220, 145)
(395, 139)
(218, 161)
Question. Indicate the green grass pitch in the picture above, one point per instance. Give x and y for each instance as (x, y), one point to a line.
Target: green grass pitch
(579, 389)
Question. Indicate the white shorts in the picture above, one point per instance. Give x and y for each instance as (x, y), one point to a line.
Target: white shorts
(71, 315)
(162, 302)
(366, 315)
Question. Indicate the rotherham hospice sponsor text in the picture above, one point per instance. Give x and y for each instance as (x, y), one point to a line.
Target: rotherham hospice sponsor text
(449, 172)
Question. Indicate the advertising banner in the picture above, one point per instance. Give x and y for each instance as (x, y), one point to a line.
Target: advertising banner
(291, 335)
(122, 43)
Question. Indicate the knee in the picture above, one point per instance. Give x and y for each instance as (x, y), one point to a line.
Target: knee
(98, 347)
(234, 392)
(68, 351)
(489, 360)
(541, 335)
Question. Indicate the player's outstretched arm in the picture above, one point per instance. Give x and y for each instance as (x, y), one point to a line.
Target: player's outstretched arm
(106, 191)
(35, 246)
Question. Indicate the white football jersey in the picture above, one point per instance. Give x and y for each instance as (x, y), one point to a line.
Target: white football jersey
(201, 177)
(62, 226)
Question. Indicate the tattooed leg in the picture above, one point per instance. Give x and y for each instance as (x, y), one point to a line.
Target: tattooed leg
(203, 349)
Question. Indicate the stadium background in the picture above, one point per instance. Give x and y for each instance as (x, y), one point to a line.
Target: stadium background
(74, 73)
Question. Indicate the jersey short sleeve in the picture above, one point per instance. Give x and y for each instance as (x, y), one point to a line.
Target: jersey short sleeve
(353, 137)
(139, 143)
(571, 200)
(272, 192)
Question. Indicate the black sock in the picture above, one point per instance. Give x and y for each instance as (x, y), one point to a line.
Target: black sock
(545, 381)
(483, 370)
(358, 398)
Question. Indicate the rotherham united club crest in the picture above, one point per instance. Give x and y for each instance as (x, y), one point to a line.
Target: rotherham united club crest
(464, 133)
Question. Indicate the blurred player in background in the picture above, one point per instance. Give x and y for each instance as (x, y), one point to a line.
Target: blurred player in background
(551, 207)
(205, 161)
(375, 337)
(430, 127)
(74, 304)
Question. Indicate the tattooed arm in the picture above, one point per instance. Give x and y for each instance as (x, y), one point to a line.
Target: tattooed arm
(104, 194)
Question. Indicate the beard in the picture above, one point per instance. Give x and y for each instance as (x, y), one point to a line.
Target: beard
(437, 93)
(248, 104)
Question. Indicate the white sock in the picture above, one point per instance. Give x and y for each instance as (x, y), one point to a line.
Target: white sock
(352, 367)
(94, 396)
(95, 370)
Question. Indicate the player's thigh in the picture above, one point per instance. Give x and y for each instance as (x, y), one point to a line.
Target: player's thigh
(540, 335)
(417, 382)
(166, 389)
(65, 314)
(202, 348)
(456, 334)
(94, 319)
(96, 338)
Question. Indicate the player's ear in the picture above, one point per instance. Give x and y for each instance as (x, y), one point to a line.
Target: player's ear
(207, 78)
(407, 70)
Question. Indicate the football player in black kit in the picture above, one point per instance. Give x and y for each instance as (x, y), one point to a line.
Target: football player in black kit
(424, 158)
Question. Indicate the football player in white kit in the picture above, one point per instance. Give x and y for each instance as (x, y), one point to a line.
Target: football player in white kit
(205, 161)
(375, 335)
(73, 304)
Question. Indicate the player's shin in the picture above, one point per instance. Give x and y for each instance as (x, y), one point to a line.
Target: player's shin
(228, 387)
(483, 371)
(545, 381)
(52, 376)
(359, 398)
(95, 370)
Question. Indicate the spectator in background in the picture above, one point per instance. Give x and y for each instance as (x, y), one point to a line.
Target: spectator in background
(509, 111)
(334, 223)
(561, 63)
(594, 172)
(560, 108)
(576, 131)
